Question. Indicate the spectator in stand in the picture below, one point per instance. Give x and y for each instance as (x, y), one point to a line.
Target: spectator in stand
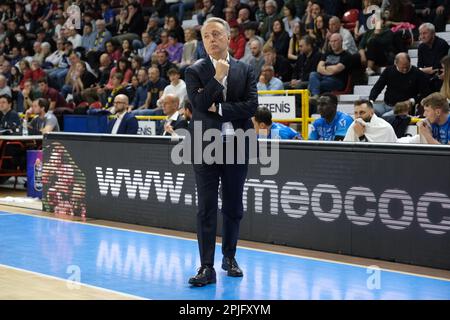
(123, 122)
(206, 12)
(313, 10)
(243, 19)
(402, 82)
(102, 36)
(307, 62)
(176, 87)
(434, 11)
(108, 15)
(364, 14)
(141, 94)
(163, 63)
(114, 52)
(376, 48)
(175, 48)
(127, 50)
(153, 29)
(435, 128)
(289, 19)
(155, 91)
(430, 53)
(164, 41)
(78, 79)
(107, 95)
(267, 81)
(333, 69)
(4, 88)
(237, 43)
(230, 16)
(335, 26)
(189, 48)
(149, 47)
(250, 35)
(134, 22)
(367, 127)
(281, 65)
(319, 32)
(265, 27)
(257, 59)
(279, 38)
(332, 124)
(294, 42)
(74, 37)
(88, 39)
(104, 70)
(123, 66)
(445, 77)
(174, 26)
(56, 100)
(267, 129)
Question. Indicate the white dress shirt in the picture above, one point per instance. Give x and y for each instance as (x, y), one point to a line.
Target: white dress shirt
(117, 123)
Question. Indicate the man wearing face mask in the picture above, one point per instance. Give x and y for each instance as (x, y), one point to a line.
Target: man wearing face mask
(332, 124)
(402, 82)
(367, 127)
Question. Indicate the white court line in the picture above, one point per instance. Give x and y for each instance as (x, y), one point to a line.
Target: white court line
(79, 283)
(362, 266)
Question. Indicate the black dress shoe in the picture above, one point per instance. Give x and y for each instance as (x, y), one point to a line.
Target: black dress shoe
(230, 265)
(205, 275)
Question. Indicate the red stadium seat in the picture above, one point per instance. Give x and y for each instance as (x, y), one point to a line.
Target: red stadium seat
(350, 18)
(348, 88)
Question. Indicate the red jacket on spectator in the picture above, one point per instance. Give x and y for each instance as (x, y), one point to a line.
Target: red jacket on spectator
(238, 46)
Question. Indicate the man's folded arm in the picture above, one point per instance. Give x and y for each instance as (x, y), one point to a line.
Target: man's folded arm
(243, 109)
(201, 97)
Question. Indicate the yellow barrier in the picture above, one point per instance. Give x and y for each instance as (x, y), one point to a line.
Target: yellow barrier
(304, 119)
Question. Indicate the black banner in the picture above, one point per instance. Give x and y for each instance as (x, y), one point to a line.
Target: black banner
(389, 202)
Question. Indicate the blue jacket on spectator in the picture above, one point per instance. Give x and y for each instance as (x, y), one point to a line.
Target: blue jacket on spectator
(129, 125)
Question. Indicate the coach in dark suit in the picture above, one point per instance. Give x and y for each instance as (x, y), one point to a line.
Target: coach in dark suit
(223, 94)
(124, 122)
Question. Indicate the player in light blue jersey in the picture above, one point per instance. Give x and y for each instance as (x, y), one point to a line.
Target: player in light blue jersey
(333, 124)
(265, 128)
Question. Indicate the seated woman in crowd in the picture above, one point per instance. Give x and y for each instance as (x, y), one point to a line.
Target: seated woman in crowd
(319, 32)
(279, 38)
(175, 48)
(123, 67)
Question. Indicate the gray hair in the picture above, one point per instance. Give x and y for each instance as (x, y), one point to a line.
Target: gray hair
(402, 55)
(219, 21)
(273, 3)
(428, 26)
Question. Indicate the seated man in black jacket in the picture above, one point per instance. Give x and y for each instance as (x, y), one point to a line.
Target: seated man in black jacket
(306, 63)
(402, 82)
(430, 53)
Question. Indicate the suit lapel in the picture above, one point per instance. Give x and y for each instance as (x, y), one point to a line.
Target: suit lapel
(231, 79)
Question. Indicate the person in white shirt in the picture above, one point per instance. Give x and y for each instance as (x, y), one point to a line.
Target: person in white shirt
(177, 87)
(367, 127)
(75, 38)
(267, 81)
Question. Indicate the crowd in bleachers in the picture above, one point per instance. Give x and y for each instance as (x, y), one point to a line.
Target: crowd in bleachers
(140, 49)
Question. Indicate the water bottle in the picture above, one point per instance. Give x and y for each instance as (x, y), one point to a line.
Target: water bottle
(25, 127)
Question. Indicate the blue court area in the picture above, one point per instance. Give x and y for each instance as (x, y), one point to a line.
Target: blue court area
(158, 267)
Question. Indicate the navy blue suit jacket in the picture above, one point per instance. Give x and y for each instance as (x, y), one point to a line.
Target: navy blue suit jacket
(204, 90)
(129, 125)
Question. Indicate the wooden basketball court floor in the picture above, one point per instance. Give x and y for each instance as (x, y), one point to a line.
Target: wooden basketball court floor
(48, 257)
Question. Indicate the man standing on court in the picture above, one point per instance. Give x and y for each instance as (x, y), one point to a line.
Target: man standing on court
(223, 93)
